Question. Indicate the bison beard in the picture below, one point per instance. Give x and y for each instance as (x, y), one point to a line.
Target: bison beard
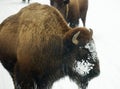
(39, 48)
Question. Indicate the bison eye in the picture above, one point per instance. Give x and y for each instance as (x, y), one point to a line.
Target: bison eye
(83, 54)
(83, 51)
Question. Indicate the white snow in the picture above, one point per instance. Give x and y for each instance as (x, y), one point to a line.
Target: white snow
(92, 48)
(103, 18)
(82, 67)
(65, 83)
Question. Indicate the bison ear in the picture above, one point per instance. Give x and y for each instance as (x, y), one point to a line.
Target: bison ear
(74, 38)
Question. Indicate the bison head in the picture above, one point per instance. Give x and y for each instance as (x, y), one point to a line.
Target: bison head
(81, 56)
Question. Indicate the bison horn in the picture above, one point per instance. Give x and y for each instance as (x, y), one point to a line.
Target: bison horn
(74, 39)
(91, 31)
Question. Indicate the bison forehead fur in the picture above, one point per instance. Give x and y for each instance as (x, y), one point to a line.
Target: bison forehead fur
(37, 48)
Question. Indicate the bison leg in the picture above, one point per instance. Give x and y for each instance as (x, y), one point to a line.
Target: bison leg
(74, 23)
(66, 1)
(23, 80)
(9, 64)
(28, 1)
(23, 0)
(83, 16)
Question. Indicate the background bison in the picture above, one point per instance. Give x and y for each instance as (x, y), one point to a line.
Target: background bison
(39, 48)
(72, 10)
(25, 1)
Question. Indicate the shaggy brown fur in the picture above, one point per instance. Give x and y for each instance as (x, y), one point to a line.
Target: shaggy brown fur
(72, 11)
(36, 48)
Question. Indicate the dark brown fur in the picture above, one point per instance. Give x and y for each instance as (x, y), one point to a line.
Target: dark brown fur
(37, 49)
(72, 11)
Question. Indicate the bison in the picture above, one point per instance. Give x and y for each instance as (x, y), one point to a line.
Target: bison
(72, 10)
(25, 1)
(39, 48)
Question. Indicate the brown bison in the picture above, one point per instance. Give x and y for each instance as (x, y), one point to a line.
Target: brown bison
(39, 48)
(72, 10)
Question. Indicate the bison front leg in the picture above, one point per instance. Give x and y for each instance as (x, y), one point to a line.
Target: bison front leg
(83, 16)
(23, 80)
(28, 1)
(51, 2)
(23, 0)
(8, 63)
(74, 23)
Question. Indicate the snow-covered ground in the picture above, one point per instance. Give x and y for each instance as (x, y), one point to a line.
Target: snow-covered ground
(104, 18)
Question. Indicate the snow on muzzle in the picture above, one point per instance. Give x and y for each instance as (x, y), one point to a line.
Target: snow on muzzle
(83, 66)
